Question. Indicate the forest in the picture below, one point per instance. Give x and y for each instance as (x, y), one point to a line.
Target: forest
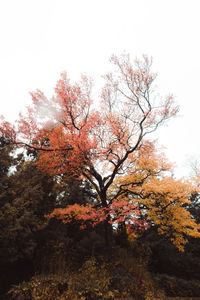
(90, 208)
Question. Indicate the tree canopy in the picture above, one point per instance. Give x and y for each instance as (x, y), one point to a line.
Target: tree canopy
(106, 145)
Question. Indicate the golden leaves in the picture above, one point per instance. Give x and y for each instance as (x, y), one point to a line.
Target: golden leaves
(160, 197)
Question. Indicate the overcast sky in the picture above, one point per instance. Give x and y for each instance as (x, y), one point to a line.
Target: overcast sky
(42, 38)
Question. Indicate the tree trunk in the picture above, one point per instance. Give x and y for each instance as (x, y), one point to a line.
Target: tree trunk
(108, 230)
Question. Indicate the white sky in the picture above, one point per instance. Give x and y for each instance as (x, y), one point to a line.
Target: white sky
(41, 38)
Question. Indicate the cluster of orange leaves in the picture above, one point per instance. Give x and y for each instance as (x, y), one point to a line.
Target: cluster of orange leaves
(161, 197)
(116, 213)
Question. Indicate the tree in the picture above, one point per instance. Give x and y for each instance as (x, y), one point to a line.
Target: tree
(29, 243)
(97, 145)
(194, 206)
(27, 196)
(161, 199)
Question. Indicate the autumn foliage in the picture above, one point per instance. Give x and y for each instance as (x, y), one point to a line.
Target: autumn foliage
(107, 146)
